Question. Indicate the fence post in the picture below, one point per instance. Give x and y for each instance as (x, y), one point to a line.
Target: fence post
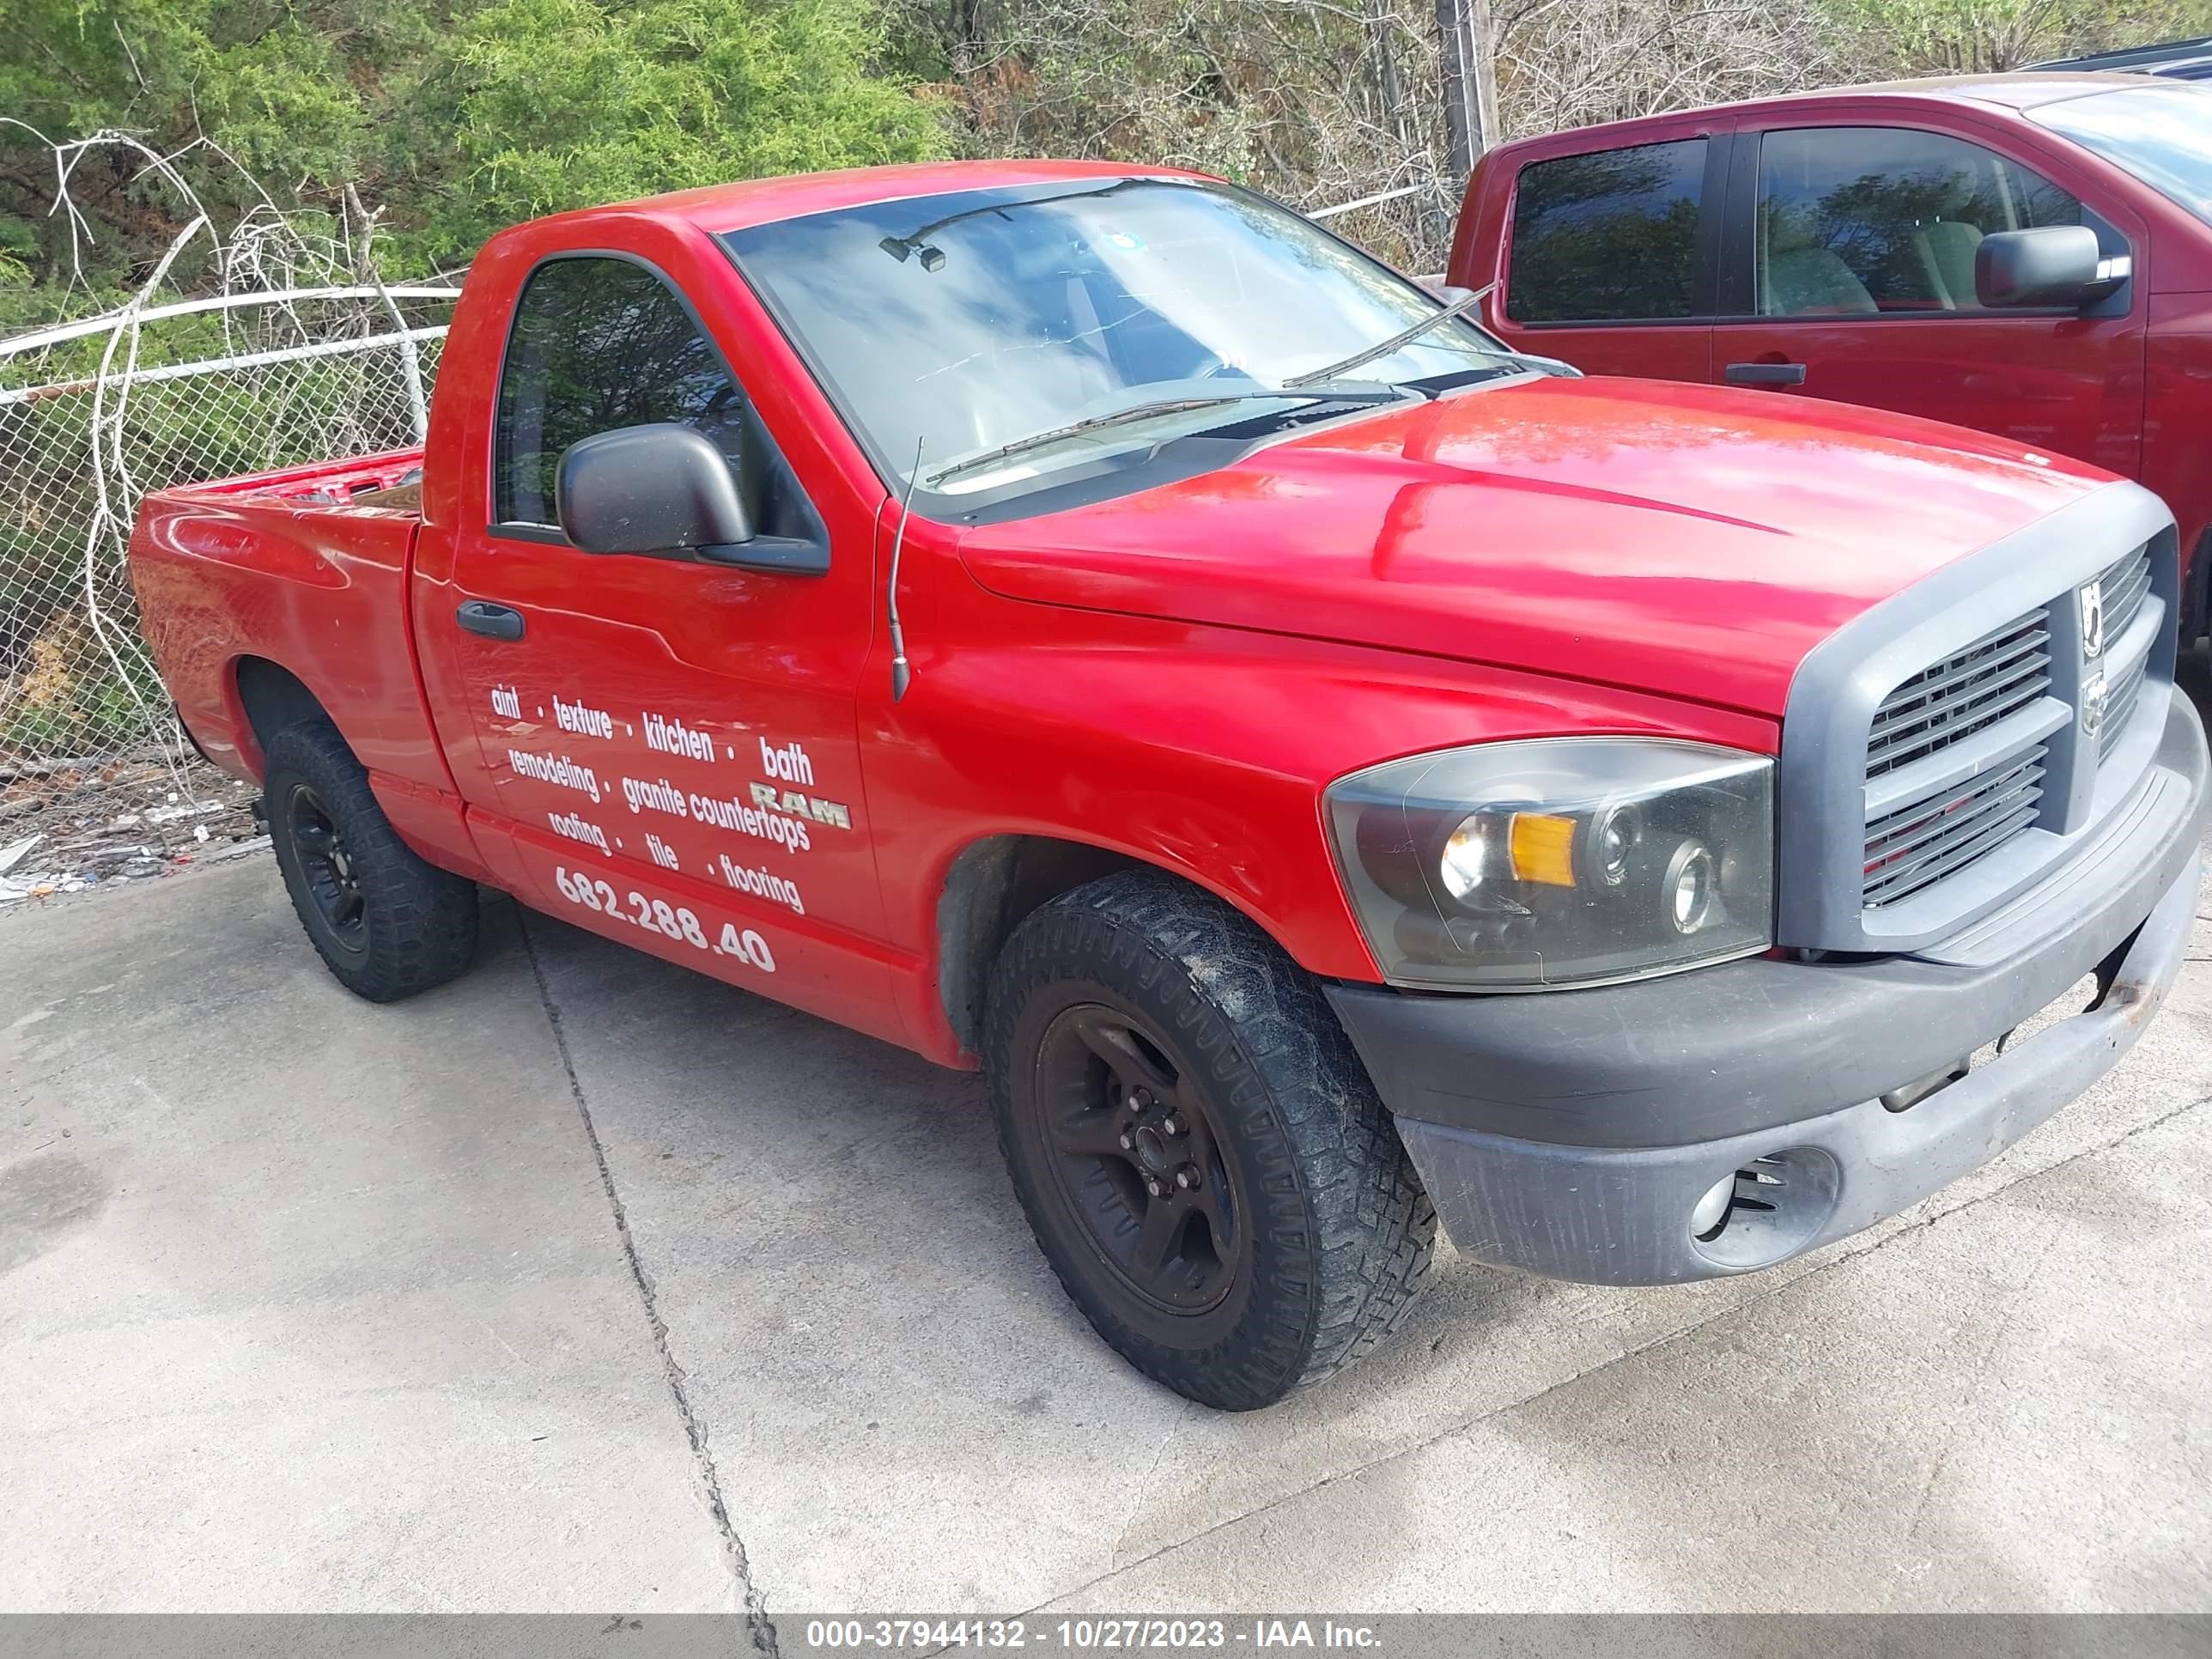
(411, 360)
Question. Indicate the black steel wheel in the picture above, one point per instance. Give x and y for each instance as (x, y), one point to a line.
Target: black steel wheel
(386, 922)
(327, 868)
(1200, 1153)
(1137, 1160)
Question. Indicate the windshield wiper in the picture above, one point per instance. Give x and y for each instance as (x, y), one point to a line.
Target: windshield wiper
(1162, 406)
(1404, 337)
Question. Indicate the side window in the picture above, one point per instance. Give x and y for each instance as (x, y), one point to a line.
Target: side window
(1881, 220)
(599, 343)
(1608, 237)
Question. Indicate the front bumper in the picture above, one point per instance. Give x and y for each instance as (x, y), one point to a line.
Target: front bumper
(1573, 1133)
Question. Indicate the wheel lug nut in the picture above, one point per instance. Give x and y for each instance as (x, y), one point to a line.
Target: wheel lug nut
(1128, 1142)
(1172, 1125)
(1154, 1188)
(1187, 1178)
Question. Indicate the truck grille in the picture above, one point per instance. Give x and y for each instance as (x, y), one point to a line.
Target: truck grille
(2120, 706)
(2126, 584)
(1974, 688)
(1918, 845)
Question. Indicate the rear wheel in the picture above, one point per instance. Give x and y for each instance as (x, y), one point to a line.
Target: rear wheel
(386, 923)
(1204, 1162)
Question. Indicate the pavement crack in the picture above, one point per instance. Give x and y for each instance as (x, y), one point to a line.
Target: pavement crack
(758, 1625)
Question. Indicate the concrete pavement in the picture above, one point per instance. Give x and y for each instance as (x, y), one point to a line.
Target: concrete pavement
(588, 1284)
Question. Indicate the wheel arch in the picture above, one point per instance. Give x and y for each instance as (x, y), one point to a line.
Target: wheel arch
(993, 885)
(272, 699)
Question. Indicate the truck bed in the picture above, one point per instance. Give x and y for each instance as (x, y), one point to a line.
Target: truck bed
(307, 566)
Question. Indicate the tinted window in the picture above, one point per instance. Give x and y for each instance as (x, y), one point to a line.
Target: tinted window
(2163, 134)
(1872, 221)
(1606, 237)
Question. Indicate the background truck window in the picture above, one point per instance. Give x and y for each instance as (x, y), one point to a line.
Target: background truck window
(2163, 134)
(600, 343)
(1873, 220)
(1608, 237)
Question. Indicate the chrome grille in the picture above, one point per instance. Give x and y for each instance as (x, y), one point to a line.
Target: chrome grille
(1918, 845)
(2125, 584)
(1975, 687)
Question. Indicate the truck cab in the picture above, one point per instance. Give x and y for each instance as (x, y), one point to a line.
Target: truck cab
(1865, 245)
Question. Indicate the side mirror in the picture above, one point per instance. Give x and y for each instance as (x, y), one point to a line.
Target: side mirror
(659, 489)
(668, 489)
(2055, 266)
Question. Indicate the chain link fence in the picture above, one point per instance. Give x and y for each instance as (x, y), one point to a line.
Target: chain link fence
(293, 378)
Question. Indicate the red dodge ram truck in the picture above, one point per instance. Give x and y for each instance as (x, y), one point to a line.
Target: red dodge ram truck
(2027, 254)
(1334, 773)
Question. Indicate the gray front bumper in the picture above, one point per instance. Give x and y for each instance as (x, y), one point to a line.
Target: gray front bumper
(1621, 1106)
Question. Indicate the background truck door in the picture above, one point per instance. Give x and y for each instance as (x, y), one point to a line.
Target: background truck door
(671, 741)
(1611, 259)
(1850, 270)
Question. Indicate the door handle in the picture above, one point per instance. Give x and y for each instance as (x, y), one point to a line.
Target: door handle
(1765, 373)
(493, 621)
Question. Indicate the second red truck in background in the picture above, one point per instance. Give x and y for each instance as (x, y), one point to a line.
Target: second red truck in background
(2028, 254)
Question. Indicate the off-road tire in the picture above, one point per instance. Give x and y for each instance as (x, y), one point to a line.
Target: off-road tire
(417, 923)
(1341, 1230)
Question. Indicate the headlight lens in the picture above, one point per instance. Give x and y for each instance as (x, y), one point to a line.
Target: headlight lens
(1559, 861)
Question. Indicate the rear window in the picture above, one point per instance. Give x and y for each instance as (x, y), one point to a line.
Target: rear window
(1608, 237)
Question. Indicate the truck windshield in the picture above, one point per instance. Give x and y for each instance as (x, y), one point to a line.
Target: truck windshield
(2160, 133)
(1081, 326)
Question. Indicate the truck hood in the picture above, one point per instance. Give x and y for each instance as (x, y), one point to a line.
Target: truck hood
(1685, 540)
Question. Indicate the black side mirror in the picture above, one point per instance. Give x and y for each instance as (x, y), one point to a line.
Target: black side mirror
(667, 489)
(2055, 266)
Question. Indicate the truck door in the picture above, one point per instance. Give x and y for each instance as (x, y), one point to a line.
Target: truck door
(1850, 272)
(671, 743)
(1611, 259)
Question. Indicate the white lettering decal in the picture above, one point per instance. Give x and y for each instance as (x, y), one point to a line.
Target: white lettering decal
(505, 702)
(762, 883)
(673, 737)
(583, 722)
(661, 853)
(569, 825)
(671, 921)
(789, 762)
(661, 797)
(790, 834)
(561, 772)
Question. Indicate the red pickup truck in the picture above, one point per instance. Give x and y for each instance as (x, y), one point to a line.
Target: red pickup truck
(1334, 772)
(2028, 254)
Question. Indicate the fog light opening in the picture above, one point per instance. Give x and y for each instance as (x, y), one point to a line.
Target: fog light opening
(1768, 1209)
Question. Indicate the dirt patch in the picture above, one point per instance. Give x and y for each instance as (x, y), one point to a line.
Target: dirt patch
(83, 829)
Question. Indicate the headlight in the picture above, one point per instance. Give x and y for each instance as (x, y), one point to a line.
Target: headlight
(1557, 861)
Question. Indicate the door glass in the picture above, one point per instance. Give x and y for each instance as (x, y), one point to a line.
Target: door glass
(602, 344)
(1608, 237)
(1883, 221)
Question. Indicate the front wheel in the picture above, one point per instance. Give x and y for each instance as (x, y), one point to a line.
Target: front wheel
(1200, 1154)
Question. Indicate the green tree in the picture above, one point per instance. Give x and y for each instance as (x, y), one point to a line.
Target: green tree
(542, 105)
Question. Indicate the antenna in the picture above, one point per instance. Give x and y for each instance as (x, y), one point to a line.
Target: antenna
(901, 673)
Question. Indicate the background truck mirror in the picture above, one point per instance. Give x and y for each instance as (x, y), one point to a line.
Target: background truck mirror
(2055, 266)
(659, 489)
